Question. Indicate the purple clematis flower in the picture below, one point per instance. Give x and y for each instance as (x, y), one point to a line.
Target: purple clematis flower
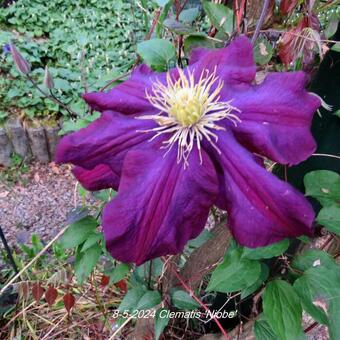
(176, 143)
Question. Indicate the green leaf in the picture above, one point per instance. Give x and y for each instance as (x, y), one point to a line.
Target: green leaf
(329, 217)
(85, 262)
(312, 258)
(235, 273)
(162, 3)
(142, 272)
(161, 321)
(182, 300)
(119, 272)
(331, 26)
(189, 15)
(197, 40)
(78, 232)
(263, 51)
(149, 300)
(203, 237)
(177, 26)
(156, 52)
(262, 329)
(267, 252)
(91, 240)
(257, 284)
(320, 294)
(324, 185)
(131, 299)
(221, 16)
(282, 308)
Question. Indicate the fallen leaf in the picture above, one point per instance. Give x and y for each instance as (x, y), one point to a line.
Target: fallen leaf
(37, 291)
(51, 295)
(69, 301)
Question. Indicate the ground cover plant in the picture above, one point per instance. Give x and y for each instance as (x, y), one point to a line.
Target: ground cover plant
(192, 155)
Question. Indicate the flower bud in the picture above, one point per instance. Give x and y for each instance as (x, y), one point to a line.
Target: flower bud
(20, 62)
(48, 80)
(6, 49)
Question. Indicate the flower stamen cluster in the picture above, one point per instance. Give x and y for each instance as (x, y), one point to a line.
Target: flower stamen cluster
(189, 110)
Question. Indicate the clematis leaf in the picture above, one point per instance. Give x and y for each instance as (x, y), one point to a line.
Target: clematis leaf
(267, 252)
(195, 41)
(324, 185)
(156, 53)
(263, 51)
(320, 295)
(119, 272)
(262, 329)
(150, 299)
(312, 258)
(86, 261)
(189, 15)
(131, 299)
(257, 284)
(78, 232)
(161, 321)
(282, 308)
(178, 27)
(329, 217)
(222, 17)
(182, 300)
(234, 273)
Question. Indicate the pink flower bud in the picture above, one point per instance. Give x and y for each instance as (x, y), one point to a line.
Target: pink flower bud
(48, 80)
(20, 62)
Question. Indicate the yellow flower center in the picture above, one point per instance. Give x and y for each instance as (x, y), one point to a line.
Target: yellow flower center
(186, 107)
(189, 109)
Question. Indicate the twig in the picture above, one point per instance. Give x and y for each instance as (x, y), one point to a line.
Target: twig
(192, 294)
(114, 80)
(325, 155)
(309, 328)
(82, 71)
(120, 328)
(8, 250)
(51, 97)
(32, 261)
(260, 21)
(327, 242)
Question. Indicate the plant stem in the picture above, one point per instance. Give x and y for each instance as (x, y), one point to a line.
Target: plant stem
(8, 250)
(260, 21)
(192, 294)
(51, 97)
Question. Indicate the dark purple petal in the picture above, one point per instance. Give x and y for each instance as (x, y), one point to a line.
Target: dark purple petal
(128, 97)
(276, 117)
(234, 63)
(262, 209)
(101, 177)
(105, 141)
(159, 206)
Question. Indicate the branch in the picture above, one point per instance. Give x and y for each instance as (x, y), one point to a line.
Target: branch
(260, 21)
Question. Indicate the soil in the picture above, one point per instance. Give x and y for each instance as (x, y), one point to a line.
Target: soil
(38, 202)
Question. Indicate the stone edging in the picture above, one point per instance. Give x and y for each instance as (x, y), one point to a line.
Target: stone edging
(38, 140)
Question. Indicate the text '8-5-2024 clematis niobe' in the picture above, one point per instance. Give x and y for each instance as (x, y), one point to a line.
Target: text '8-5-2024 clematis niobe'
(174, 144)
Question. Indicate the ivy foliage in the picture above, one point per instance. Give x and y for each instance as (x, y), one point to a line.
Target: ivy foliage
(80, 41)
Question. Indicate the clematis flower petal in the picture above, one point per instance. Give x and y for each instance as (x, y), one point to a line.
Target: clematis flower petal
(128, 97)
(159, 205)
(105, 141)
(100, 177)
(262, 209)
(234, 64)
(276, 117)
